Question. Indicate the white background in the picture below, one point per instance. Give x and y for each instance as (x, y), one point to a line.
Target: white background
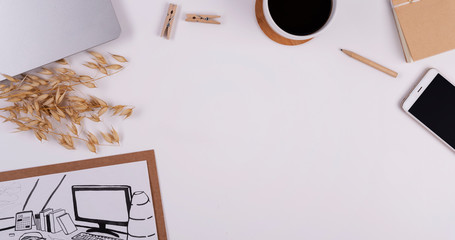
(255, 140)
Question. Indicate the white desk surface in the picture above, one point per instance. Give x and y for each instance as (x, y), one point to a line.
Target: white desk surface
(255, 140)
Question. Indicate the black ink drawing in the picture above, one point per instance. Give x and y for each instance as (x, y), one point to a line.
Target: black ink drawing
(30, 194)
(131, 210)
(44, 220)
(54, 221)
(9, 195)
(141, 214)
(32, 236)
(116, 209)
(100, 196)
(52, 194)
(24, 221)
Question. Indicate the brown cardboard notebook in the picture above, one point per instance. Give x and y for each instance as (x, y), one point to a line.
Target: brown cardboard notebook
(426, 27)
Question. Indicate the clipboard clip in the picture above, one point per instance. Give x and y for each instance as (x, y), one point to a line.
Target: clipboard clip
(202, 18)
(167, 28)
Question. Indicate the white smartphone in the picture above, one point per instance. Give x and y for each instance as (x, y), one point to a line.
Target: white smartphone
(432, 104)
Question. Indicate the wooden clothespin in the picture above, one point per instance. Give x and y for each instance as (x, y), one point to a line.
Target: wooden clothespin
(167, 28)
(202, 18)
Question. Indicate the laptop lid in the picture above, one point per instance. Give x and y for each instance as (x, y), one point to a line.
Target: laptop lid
(34, 33)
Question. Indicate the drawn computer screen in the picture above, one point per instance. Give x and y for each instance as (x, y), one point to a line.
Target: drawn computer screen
(109, 204)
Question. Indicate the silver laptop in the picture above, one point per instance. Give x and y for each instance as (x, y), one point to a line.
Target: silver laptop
(36, 32)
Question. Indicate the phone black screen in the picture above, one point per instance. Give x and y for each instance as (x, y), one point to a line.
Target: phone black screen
(436, 109)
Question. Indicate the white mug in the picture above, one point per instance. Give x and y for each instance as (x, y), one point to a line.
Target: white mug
(281, 32)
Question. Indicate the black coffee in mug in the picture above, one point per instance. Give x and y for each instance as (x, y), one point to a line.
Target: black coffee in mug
(300, 17)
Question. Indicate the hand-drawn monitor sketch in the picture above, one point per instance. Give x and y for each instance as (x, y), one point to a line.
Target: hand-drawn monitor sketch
(108, 203)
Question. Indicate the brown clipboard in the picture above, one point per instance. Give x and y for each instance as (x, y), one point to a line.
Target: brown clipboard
(148, 156)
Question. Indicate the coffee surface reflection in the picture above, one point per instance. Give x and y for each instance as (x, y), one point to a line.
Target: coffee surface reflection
(300, 17)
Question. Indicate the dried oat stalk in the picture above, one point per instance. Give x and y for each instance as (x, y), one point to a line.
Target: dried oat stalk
(46, 103)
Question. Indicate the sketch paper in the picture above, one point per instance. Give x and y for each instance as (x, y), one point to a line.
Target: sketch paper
(66, 224)
(103, 202)
(55, 227)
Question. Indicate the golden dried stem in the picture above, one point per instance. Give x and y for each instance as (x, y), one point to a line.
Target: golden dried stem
(45, 103)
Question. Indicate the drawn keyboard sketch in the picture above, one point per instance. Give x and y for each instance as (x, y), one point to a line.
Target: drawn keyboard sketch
(88, 236)
(104, 203)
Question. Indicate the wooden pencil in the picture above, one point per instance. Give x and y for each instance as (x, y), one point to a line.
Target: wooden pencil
(370, 63)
